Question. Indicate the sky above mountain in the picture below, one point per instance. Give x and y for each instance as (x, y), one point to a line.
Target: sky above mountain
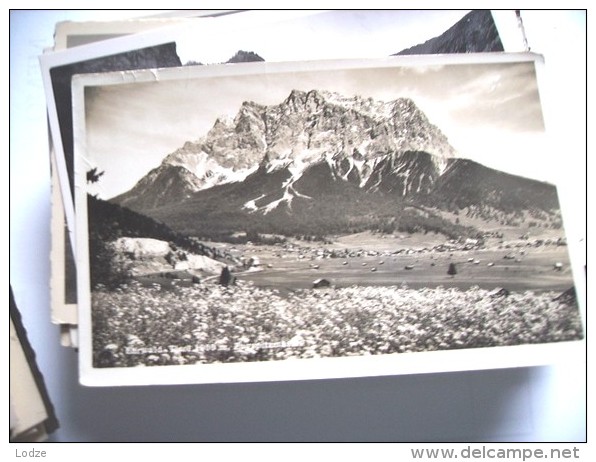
(490, 113)
(335, 34)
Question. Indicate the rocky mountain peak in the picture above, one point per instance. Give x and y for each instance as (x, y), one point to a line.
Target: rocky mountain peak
(242, 56)
(475, 32)
(352, 135)
(299, 101)
(402, 106)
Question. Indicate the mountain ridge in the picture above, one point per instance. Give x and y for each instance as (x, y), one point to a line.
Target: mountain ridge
(475, 32)
(352, 134)
(319, 162)
(322, 203)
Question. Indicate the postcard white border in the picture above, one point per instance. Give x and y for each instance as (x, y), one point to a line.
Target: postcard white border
(299, 369)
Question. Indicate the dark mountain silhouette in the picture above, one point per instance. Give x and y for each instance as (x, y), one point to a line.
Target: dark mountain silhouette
(108, 222)
(241, 56)
(245, 57)
(467, 183)
(324, 204)
(475, 32)
(333, 205)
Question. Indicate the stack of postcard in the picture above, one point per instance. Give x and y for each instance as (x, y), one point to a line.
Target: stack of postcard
(255, 196)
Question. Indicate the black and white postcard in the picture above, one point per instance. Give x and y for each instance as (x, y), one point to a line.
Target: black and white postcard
(370, 33)
(278, 221)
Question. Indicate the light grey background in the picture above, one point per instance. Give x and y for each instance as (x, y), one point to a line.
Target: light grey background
(525, 404)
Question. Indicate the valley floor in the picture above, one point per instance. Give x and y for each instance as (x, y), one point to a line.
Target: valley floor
(416, 261)
(382, 294)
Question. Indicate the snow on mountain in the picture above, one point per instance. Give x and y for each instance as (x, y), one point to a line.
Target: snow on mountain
(208, 170)
(161, 186)
(355, 136)
(405, 174)
(318, 125)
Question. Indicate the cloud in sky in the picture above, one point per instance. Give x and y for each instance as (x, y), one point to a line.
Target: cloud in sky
(500, 94)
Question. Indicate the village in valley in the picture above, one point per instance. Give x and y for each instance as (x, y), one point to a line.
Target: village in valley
(305, 300)
(416, 260)
(359, 294)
